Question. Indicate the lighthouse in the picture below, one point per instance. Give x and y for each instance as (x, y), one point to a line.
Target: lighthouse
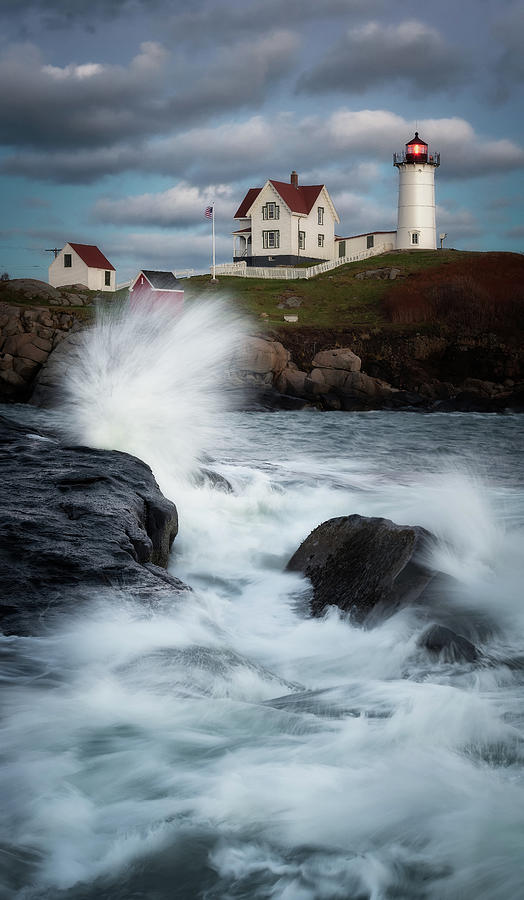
(416, 166)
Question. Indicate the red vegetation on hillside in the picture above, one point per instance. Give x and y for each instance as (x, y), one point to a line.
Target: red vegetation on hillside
(481, 292)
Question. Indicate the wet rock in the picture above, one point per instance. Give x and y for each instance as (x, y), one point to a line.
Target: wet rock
(470, 401)
(365, 566)
(75, 520)
(48, 385)
(451, 647)
(206, 476)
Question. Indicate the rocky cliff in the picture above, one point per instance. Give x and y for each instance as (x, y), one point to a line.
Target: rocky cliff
(397, 367)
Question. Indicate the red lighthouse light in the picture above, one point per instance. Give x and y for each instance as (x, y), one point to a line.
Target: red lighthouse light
(416, 150)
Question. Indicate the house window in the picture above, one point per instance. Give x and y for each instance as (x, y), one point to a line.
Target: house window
(271, 240)
(271, 211)
(107, 279)
(321, 240)
(301, 240)
(370, 241)
(68, 260)
(414, 237)
(320, 210)
(341, 249)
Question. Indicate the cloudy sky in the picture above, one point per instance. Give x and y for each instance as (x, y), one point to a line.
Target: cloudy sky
(120, 120)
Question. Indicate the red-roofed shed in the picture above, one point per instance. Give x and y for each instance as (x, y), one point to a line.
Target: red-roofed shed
(83, 264)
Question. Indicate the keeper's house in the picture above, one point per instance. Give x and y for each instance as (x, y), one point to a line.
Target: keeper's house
(285, 224)
(82, 264)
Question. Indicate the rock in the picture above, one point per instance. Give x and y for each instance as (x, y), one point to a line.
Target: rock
(33, 289)
(471, 401)
(290, 303)
(451, 647)
(254, 369)
(387, 272)
(205, 476)
(342, 358)
(74, 521)
(262, 356)
(364, 565)
(292, 381)
(477, 386)
(47, 391)
(28, 346)
(27, 338)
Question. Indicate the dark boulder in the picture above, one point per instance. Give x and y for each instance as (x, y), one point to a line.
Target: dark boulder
(208, 477)
(74, 519)
(364, 565)
(448, 645)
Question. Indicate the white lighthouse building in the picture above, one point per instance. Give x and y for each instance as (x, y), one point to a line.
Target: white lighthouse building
(416, 226)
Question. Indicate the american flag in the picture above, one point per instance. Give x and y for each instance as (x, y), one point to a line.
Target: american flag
(208, 212)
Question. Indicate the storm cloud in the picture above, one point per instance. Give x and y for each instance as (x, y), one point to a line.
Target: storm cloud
(373, 54)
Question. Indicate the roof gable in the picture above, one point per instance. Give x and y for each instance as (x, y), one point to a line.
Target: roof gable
(299, 199)
(247, 203)
(92, 256)
(161, 281)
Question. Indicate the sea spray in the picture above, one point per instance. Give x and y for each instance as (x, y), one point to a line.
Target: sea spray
(151, 381)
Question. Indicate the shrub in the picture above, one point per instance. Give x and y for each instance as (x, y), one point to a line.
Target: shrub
(484, 292)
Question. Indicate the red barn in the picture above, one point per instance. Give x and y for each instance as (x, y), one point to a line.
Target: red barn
(157, 286)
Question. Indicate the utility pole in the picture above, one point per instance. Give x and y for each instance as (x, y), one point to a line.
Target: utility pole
(54, 250)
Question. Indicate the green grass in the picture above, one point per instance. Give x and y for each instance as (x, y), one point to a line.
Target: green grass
(335, 299)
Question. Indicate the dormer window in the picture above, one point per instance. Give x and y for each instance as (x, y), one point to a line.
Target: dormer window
(320, 210)
(271, 211)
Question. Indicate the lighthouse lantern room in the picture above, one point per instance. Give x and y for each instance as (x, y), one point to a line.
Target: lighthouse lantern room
(416, 227)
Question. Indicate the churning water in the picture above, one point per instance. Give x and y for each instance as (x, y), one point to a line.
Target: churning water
(227, 745)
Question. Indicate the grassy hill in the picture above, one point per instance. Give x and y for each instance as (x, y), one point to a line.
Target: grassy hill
(433, 285)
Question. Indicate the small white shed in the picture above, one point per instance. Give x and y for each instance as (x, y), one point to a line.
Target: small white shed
(83, 264)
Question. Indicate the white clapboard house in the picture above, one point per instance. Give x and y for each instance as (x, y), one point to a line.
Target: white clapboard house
(285, 224)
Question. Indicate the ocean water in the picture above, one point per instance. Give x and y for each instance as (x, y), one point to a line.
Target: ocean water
(225, 744)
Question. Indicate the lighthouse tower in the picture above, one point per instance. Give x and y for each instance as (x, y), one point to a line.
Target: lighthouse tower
(416, 227)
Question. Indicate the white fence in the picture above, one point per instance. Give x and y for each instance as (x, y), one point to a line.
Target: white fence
(242, 270)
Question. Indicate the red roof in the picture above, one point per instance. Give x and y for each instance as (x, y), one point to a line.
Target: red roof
(299, 199)
(251, 195)
(92, 256)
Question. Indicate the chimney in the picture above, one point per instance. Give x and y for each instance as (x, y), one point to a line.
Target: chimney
(294, 179)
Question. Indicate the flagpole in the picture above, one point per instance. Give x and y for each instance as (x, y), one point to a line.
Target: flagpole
(213, 229)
